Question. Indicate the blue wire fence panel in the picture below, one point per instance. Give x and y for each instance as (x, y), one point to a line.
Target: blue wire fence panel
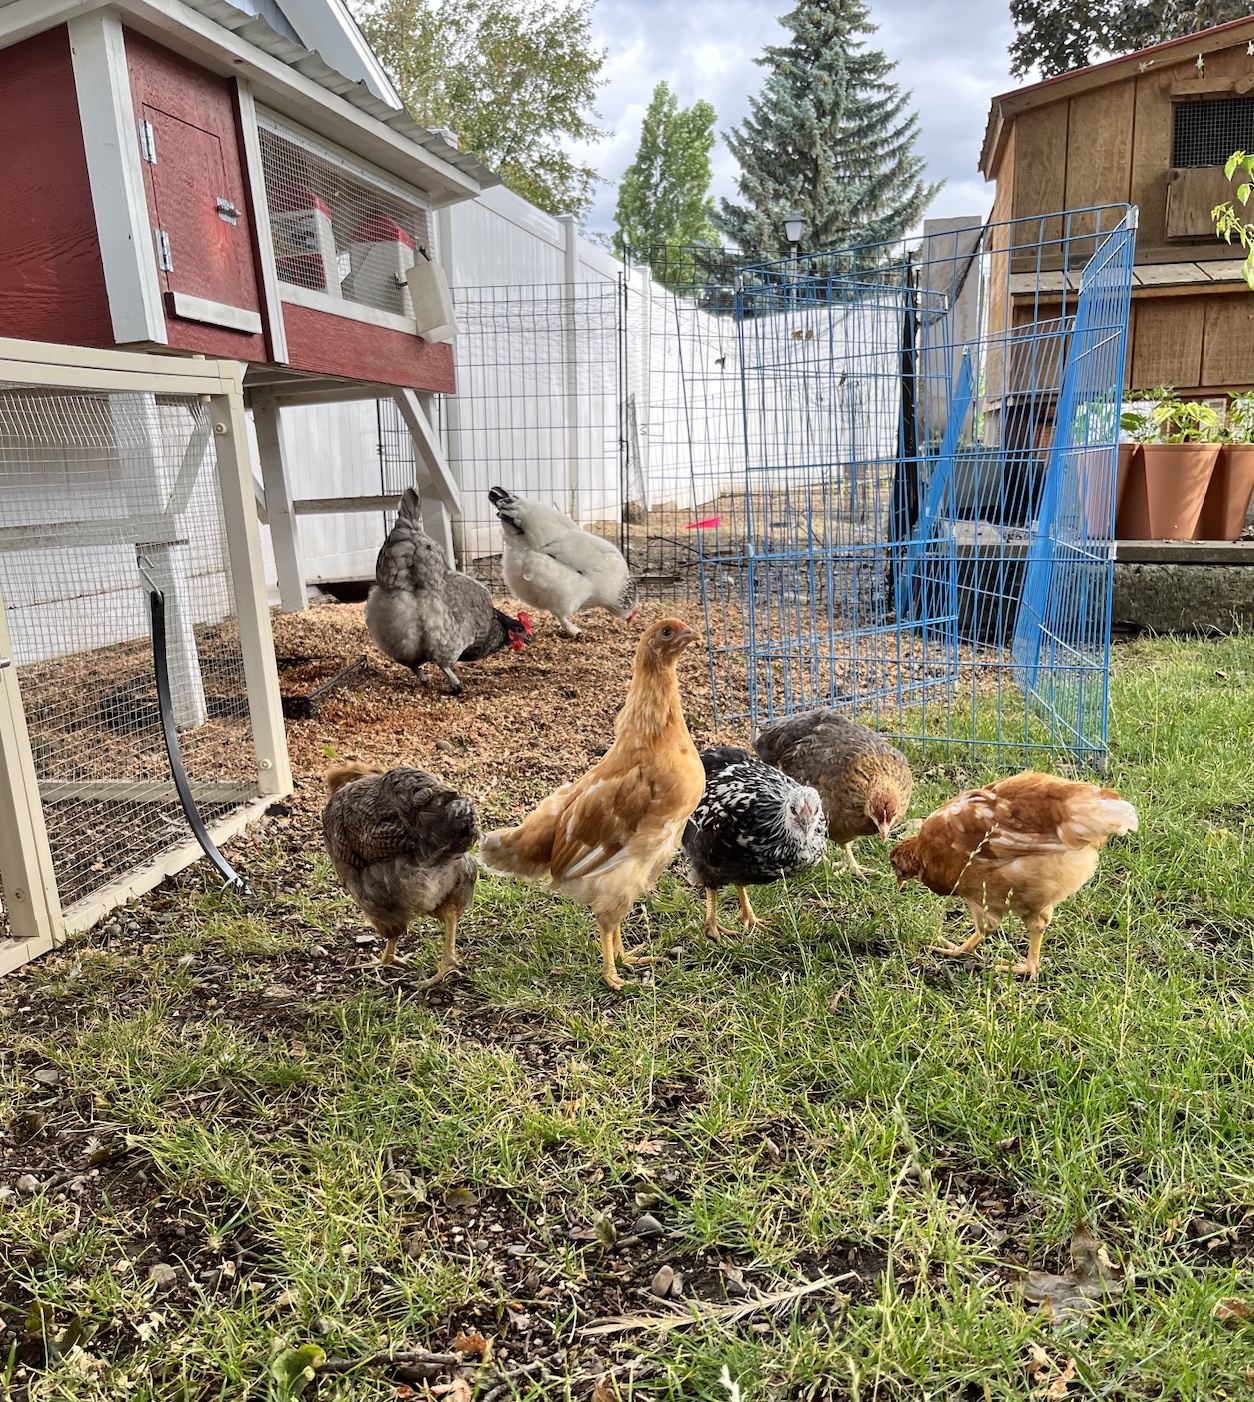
(915, 523)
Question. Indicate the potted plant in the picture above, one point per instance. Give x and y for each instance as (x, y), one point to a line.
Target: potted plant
(1163, 499)
(1232, 482)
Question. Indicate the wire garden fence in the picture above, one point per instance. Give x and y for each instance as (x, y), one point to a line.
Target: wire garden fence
(903, 460)
(122, 476)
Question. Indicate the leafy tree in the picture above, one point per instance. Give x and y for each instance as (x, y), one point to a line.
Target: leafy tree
(514, 79)
(830, 135)
(664, 195)
(1055, 36)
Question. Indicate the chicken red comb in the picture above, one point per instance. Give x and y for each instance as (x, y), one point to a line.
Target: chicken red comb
(525, 620)
(707, 524)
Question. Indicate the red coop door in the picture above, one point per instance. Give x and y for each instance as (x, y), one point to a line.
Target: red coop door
(200, 216)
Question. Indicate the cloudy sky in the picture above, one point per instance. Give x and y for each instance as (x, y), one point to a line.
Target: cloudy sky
(951, 57)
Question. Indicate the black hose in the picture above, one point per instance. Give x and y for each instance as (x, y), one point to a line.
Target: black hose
(161, 666)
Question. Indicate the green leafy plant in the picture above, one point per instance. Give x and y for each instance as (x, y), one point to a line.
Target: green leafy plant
(293, 1369)
(1240, 425)
(1228, 222)
(1164, 418)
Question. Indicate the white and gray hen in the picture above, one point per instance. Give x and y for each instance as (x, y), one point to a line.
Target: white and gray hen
(551, 562)
(753, 826)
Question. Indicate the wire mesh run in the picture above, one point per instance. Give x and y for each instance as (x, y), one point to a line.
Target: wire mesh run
(338, 229)
(913, 521)
(1207, 132)
(99, 494)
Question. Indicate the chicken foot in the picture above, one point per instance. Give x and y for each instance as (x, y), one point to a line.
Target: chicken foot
(613, 954)
(571, 630)
(449, 964)
(629, 957)
(984, 923)
(851, 862)
(1030, 967)
(391, 933)
(712, 929)
(454, 681)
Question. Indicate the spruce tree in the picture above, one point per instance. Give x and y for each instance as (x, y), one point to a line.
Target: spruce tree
(664, 195)
(830, 135)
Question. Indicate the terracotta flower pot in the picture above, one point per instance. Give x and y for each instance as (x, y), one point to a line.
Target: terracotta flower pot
(1129, 459)
(1228, 497)
(1096, 518)
(1163, 499)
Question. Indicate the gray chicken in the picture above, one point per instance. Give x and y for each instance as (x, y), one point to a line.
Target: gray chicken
(421, 611)
(400, 841)
(865, 783)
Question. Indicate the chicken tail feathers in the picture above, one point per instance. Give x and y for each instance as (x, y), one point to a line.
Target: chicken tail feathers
(1105, 815)
(525, 851)
(340, 774)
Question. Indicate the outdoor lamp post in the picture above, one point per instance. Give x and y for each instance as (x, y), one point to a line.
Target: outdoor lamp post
(794, 227)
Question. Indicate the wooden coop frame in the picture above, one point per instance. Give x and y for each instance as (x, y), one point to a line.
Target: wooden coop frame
(37, 921)
(192, 179)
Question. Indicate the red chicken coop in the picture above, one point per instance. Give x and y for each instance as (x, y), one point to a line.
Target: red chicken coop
(196, 179)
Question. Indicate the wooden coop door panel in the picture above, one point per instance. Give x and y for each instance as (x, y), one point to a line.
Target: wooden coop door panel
(210, 256)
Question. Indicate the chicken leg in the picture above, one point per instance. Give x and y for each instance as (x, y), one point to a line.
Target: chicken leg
(748, 919)
(1031, 966)
(571, 630)
(454, 681)
(985, 923)
(851, 862)
(712, 929)
(611, 942)
(390, 933)
(449, 965)
(628, 957)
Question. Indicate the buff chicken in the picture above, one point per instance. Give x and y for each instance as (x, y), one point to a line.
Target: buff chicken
(1021, 845)
(605, 838)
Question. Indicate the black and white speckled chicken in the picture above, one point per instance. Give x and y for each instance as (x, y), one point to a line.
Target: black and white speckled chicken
(400, 841)
(753, 826)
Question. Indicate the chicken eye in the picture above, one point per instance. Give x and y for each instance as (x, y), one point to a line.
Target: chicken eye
(666, 632)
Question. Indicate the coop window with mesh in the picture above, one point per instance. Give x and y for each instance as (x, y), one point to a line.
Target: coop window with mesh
(118, 481)
(340, 229)
(1206, 133)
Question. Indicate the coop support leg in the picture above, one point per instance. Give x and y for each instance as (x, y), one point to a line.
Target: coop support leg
(284, 533)
(137, 436)
(235, 484)
(441, 497)
(29, 883)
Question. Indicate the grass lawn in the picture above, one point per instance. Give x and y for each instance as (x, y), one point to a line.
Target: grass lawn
(256, 1140)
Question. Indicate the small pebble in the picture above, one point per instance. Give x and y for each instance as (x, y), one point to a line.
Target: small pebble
(279, 992)
(366, 939)
(162, 1275)
(481, 1243)
(677, 1285)
(445, 747)
(184, 960)
(28, 1185)
(662, 1282)
(647, 1225)
(48, 1077)
(318, 952)
(518, 1249)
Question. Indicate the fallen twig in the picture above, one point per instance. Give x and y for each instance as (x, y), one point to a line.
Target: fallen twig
(698, 1311)
(412, 1358)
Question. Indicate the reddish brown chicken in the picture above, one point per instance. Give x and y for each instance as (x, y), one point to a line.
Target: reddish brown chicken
(1021, 845)
(605, 838)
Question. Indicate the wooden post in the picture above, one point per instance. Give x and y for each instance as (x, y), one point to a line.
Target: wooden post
(284, 534)
(30, 884)
(235, 483)
(454, 445)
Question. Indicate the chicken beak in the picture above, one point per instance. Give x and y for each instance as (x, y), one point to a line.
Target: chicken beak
(688, 635)
(885, 828)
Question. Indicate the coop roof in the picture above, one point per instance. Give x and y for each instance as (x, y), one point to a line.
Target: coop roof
(288, 77)
(1007, 106)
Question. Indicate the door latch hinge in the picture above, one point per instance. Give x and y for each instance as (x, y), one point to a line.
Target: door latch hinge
(226, 210)
(148, 142)
(165, 259)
